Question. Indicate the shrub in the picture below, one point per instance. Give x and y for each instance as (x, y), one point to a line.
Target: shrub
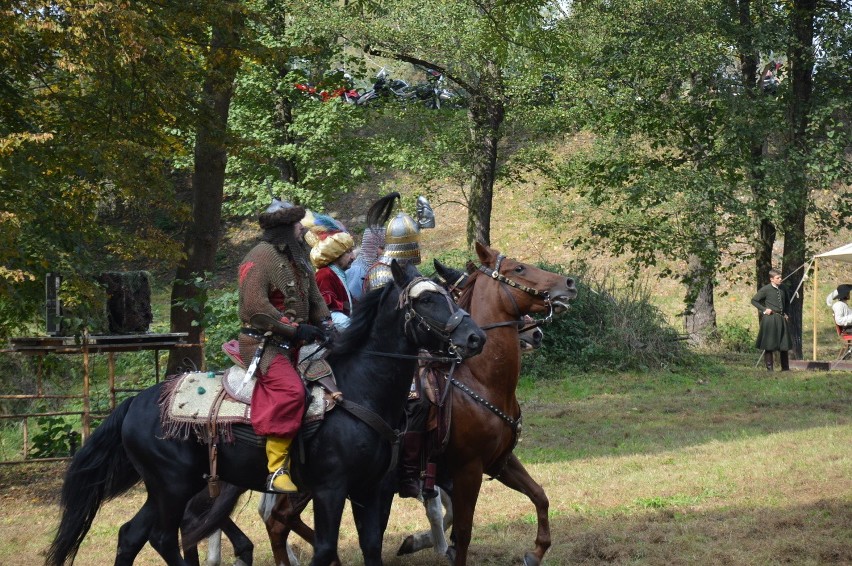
(221, 323)
(607, 327)
(56, 437)
(735, 337)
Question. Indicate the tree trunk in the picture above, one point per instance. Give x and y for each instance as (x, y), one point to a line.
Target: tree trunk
(208, 180)
(283, 120)
(749, 62)
(486, 112)
(801, 58)
(700, 316)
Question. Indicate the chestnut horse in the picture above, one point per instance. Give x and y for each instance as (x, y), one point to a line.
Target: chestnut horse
(486, 414)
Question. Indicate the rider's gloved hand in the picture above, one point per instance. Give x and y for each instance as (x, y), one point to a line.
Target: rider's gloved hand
(308, 333)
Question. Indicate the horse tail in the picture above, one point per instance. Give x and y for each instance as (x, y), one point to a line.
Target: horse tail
(98, 472)
(204, 515)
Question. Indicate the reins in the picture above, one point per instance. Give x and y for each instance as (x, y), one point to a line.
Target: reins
(429, 325)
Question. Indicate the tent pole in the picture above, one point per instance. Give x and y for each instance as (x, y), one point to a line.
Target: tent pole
(814, 292)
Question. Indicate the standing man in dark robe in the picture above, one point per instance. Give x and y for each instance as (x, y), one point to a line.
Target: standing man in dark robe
(772, 300)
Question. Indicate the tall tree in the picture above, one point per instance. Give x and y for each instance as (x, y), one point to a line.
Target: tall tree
(211, 155)
(472, 43)
(802, 14)
(87, 126)
(661, 91)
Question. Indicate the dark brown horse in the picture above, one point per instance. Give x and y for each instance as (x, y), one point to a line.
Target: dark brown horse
(486, 413)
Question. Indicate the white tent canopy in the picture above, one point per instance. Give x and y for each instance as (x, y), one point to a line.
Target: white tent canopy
(844, 254)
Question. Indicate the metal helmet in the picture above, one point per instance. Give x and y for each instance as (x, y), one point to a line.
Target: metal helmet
(402, 240)
(425, 214)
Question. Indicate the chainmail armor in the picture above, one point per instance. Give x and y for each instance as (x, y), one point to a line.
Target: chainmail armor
(265, 269)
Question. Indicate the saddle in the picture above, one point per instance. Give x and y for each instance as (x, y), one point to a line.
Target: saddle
(208, 404)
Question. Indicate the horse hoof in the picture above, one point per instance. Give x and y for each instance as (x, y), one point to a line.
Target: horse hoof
(451, 554)
(407, 546)
(531, 559)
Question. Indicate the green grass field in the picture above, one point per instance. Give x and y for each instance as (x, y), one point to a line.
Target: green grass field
(717, 463)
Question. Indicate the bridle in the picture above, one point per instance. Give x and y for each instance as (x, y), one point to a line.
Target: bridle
(415, 321)
(543, 295)
(455, 288)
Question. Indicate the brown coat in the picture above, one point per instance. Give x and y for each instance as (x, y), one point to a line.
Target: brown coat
(270, 283)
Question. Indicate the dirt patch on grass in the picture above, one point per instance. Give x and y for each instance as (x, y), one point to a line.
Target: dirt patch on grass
(35, 483)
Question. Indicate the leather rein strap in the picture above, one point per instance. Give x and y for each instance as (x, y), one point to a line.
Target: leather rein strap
(367, 416)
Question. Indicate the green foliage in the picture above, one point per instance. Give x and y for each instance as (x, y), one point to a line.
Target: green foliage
(221, 325)
(735, 337)
(55, 437)
(219, 316)
(87, 135)
(610, 326)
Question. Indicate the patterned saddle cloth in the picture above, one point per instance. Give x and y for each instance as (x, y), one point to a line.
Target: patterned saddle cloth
(210, 403)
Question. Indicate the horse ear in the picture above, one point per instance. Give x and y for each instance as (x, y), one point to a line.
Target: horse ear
(440, 268)
(398, 272)
(485, 253)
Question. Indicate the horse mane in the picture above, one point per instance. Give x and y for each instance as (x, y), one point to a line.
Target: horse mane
(466, 296)
(355, 335)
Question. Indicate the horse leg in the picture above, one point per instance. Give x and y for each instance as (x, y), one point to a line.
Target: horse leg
(214, 550)
(435, 536)
(164, 534)
(447, 501)
(243, 547)
(516, 477)
(281, 514)
(366, 509)
(328, 511)
(466, 483)
(133, 534)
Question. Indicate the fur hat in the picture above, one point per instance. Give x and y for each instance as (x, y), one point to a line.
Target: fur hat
(329, 247)
(279, 213)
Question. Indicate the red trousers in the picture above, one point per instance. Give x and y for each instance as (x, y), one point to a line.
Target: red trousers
(278, 400)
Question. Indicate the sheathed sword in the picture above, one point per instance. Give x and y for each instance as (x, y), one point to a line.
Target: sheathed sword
(265, 322)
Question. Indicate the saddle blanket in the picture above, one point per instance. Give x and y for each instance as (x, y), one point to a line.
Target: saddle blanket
(194, 401)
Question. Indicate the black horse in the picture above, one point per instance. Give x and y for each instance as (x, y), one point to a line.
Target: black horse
(203, 515)
(373, 361)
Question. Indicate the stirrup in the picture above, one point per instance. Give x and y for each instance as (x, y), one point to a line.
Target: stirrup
(270, 481)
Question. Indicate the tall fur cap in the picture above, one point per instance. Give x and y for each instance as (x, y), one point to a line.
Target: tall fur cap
(286, 215)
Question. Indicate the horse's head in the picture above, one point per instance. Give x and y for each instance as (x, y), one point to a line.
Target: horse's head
(532, 289)
(531, 338)
(453, 280)
(433, 320)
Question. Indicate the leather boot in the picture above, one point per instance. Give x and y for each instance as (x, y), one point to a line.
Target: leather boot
(767, 358)
(409, 467)
(785, 360)
(278, 463)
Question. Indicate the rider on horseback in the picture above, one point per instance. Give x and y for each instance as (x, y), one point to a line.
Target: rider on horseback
(276, 278)
(332, 254)
(402, 243)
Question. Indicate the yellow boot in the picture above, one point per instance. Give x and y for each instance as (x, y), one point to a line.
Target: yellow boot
(278, 462)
